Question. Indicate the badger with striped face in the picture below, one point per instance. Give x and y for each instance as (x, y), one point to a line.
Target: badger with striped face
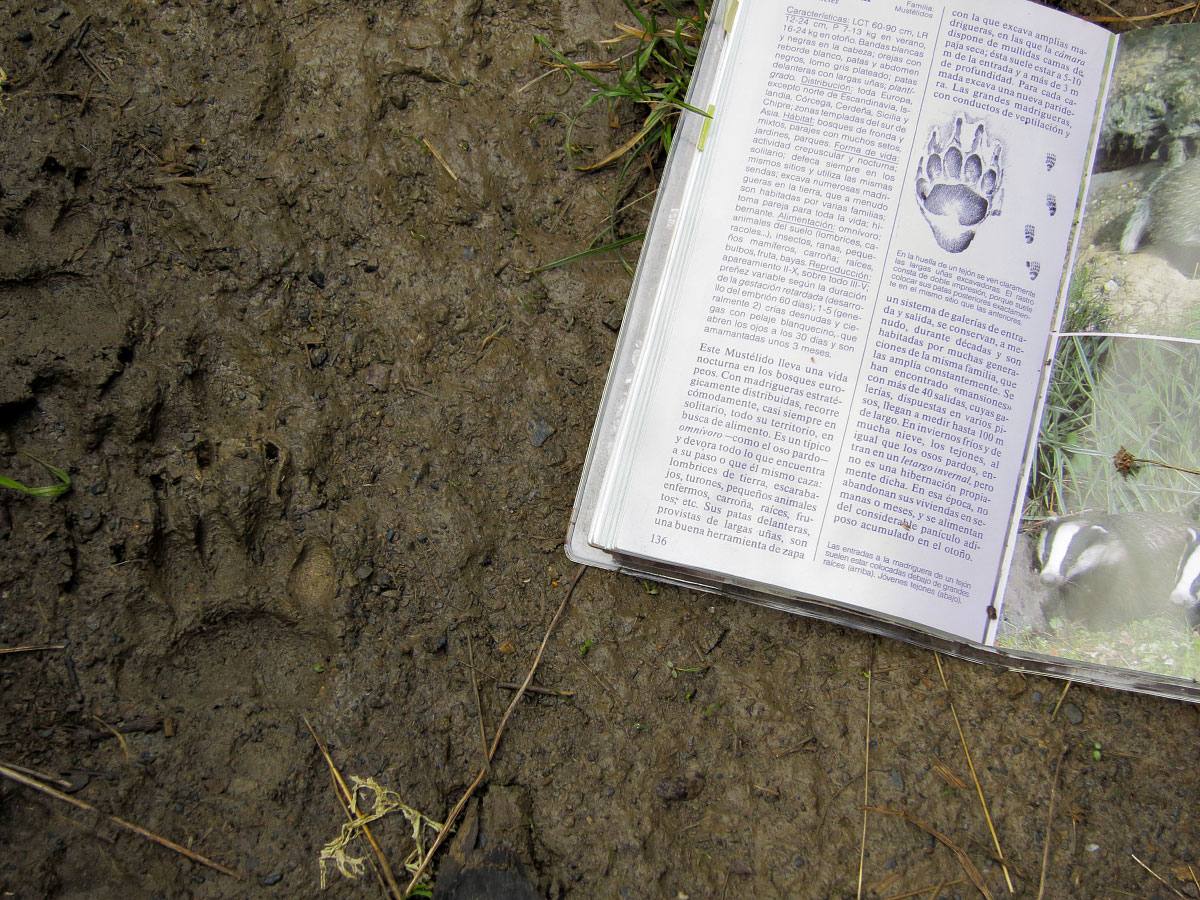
(1106, 568)
(1070, 548)
(1187, 580)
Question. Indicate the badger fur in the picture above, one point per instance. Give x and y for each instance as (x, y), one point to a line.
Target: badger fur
(1107, 568)
(1187, 579)
(1169, 214)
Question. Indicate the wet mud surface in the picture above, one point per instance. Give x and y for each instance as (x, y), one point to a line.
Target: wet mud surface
(324, 429)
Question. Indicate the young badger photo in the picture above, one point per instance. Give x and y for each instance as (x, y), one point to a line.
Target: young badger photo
(1107, 568)
(1187, 579)
(1169, 214)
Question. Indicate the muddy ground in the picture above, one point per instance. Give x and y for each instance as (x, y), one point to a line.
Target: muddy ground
(324, 431)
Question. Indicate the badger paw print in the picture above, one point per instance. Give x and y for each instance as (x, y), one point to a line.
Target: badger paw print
(1030, 231)
(1051, 204)
(1034, 267)
(959, 182)
(1051, 159)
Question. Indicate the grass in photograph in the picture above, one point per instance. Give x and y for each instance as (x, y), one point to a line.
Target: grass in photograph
(1145, 401)
(1162, 645)
(1069, 402)
(1114, 400)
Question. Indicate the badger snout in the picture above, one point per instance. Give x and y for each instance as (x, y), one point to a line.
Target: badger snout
(1052, 579)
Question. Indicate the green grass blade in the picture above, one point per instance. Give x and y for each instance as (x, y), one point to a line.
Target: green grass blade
(45, 490)
(591, 251)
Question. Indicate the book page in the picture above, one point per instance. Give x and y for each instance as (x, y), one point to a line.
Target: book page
(841, 374)
(1106, 563)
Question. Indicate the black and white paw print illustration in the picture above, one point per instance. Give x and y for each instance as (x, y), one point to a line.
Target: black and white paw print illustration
(959, 181)
(1030, 231)
(1051, 159)
(1051, 204)
(1034, 268)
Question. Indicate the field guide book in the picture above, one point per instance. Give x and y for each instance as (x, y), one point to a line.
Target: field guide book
(914, 340)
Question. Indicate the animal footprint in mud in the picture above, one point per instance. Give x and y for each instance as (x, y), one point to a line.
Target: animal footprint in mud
(1051, 159)
(312, 586)
(1029, 233)
(959, 182)
(1051, 204)
(1034, 268)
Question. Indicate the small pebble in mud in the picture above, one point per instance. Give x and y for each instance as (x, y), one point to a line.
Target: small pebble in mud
(318, 356)
(378, 376)
(1073, 713)
(272, 879)
(363, 572)
(317, 277)
(540, 432)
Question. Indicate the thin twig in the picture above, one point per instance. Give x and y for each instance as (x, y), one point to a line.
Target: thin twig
(534, 689)
(1061, 698)
(1062, 754)
(862, 847)
(478, 702)
(441, 160)
(948, 776)
(800, 746)
(36, 785)
(462, 801)
(963, 860)
(120, 738)
(31, 648)
(383, 872)
(1112, 9)
(188, 180)
(1105, 20)
(1158, 877)
(975, 777)
(41, 776)
(95, 67)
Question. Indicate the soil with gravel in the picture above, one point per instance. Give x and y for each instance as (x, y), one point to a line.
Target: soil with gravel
(324, 427)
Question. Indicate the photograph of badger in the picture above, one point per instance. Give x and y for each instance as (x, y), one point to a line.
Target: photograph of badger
(1106, 565)
(1104, 569)
(1167, 217)
(1139, 241)
(1186, 592)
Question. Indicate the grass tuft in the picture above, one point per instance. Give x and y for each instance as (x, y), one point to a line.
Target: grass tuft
(649, 75)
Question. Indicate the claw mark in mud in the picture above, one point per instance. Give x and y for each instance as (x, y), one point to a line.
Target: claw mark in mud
(958, 187)
(1029, 233)
(1034, 268)
(1051, 204)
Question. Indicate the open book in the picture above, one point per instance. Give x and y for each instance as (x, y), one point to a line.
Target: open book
(877, 365)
